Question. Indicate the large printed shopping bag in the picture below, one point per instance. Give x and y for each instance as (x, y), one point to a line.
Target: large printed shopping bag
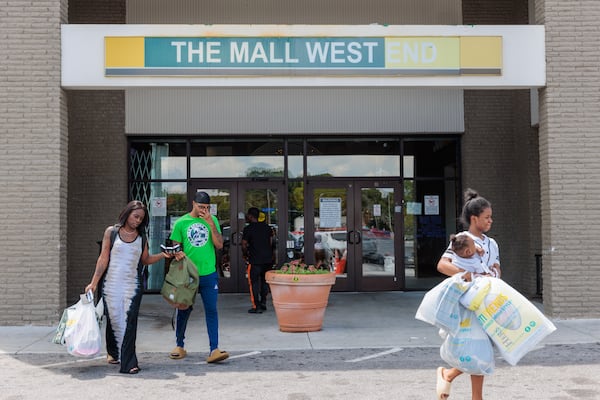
(82, 332)
(59, 335)
(440, 305)
(473, 297)
(470, 349)
(514, 324)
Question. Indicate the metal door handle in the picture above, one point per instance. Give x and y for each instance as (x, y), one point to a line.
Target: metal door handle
(349, 237)
(358, 237)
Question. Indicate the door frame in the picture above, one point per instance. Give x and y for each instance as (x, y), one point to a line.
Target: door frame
(354, 279)
(238, 282)
(397, 280)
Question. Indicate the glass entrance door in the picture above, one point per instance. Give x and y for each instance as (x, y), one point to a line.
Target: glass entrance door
(328, 234)
(353, 232)
(229, 202)
(378, 246)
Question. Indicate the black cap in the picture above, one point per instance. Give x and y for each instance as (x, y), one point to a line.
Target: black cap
(202, 198)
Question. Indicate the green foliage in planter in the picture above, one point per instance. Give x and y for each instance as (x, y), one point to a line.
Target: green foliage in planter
(298, 267)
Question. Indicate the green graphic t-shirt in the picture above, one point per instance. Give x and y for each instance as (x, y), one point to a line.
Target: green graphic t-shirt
(195, 237)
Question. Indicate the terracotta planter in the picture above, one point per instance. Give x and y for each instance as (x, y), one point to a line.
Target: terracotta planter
(300, 300)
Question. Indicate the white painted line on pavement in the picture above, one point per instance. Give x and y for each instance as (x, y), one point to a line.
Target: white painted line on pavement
(76, 360)
(383, 353)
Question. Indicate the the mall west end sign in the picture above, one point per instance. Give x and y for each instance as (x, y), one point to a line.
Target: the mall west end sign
(176, 56)
(461, 56)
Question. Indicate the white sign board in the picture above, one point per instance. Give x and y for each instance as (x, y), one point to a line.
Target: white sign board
(330, 212)
(158, 207)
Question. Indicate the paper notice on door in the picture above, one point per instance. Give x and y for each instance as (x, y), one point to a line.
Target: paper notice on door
(432, 205)
(158, 206)
(330, 212)
(413, 208)
(377, 210)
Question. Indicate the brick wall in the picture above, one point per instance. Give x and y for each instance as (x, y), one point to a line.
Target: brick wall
(97, 12)
(33, 163)
(500, 161)
(97, 186)
(495, 12)
(500, 157)
(569, 162)
(97, 177)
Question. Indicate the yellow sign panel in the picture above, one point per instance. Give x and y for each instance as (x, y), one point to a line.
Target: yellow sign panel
(121, 52)
(479, 54)
(439, 53)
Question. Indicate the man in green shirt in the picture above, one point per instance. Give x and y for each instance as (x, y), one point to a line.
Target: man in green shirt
(199, 234)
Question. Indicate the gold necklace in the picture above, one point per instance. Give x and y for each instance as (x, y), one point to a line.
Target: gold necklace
(129, 232)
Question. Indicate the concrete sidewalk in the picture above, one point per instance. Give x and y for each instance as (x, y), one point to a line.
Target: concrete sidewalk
(352, 321)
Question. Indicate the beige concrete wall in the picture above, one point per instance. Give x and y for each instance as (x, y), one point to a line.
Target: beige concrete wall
(33, 163)
(569, 162)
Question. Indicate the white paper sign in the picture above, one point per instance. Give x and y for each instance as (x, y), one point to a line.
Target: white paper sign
(158, 206)
(377, 210)
(330, 212)
(413, 208)
(432, 205)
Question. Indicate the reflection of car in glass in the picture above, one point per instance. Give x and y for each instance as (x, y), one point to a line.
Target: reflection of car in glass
(333, 240)
(370, 252)
(409, 252)
(330, 241)
(226, 233)
(295, 246)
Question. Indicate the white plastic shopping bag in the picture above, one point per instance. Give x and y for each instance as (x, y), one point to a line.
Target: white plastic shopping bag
(514, 324)
(427, 309)
(470, 349)
(82, 332)
(440, 305)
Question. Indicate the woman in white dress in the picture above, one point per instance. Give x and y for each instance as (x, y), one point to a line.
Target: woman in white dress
(119, 267)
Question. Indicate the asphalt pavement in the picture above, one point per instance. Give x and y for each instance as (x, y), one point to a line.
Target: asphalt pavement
(370, 347)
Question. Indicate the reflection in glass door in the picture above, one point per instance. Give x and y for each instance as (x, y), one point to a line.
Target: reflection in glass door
(327, 232)
(229, 202)
(377, 231)
(330, 229)
(353, 233)
(379, 219)
(221, 197)
(267, 201)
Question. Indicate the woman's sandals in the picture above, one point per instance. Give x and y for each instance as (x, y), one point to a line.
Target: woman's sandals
(111, 360)
(442, 386)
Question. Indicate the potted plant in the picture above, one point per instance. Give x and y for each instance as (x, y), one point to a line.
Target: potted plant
(300, 295)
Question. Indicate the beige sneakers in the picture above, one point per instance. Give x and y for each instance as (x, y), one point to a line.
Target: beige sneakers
(217, 355)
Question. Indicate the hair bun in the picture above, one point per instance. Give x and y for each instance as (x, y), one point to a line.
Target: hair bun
(470, 194)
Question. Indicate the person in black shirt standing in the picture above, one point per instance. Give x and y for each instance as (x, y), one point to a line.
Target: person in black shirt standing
(258, 252)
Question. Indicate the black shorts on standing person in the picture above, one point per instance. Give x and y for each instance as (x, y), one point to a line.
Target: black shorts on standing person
(258, 253)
